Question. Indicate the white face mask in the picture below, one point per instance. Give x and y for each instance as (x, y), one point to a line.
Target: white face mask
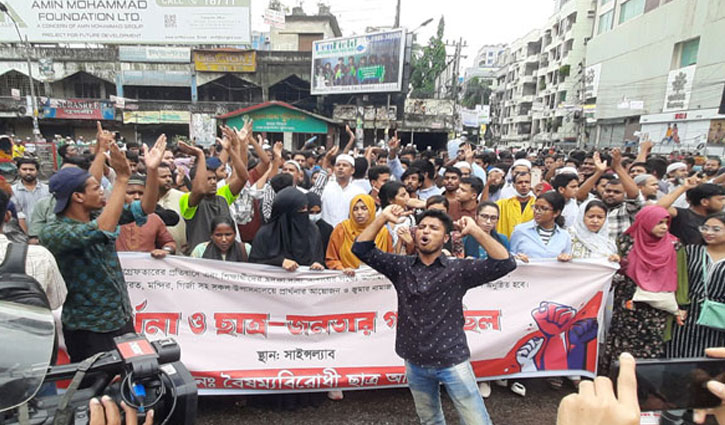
(315, 217)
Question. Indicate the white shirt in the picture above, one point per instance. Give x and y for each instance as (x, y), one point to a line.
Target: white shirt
(41, 265)
(336, 202)
(570, 213)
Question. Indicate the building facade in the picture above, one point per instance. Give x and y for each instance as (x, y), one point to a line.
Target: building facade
(538, 93)
(655, 69)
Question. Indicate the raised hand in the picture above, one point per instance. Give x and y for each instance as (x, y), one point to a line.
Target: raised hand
(395, 213)
(277, 150)
(599, 165)
(155, 155)
(553, 318)
(583, 331)
(327, 159)
(466, 225)
(190, 150)
(118, 162)
(526, 354)
(403, 233)
(616, 157)
(103, 139)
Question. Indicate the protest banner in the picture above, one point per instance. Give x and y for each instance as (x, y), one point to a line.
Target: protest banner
(247, 328)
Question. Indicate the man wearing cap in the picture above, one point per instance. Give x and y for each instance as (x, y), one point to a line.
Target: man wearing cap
(519, 166)
(97, 307)
(205, 201)
(676, 175)
(338, 194)
(151, 237)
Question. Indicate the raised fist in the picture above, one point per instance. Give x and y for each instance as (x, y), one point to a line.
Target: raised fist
(552, 318)
(526, 354)
(583, 331)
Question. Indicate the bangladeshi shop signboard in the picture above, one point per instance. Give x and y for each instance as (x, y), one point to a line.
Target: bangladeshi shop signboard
(77, 109)
(369, 63)
(226, 60)
(196, 22)
(277, 119)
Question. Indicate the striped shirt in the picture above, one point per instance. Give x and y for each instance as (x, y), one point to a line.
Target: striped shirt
(545, 234)
(691, 339)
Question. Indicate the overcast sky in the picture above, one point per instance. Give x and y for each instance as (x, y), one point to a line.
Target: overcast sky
(478, 21)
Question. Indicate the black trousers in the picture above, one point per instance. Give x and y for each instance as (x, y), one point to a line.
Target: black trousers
(82, 344)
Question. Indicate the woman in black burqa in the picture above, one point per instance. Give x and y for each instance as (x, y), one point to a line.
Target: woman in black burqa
(289, 239)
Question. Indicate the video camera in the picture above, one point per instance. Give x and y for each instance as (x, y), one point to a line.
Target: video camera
(145, 375)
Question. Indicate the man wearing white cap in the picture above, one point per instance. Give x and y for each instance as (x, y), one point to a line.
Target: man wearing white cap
(338, 194)
(676, 175)
(519, 166)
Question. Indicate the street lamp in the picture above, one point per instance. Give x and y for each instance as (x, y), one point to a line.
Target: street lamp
(26, 44)
(419, 26)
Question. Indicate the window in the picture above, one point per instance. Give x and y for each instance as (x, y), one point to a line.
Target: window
(605, 22)
(630, 9)
(689, 50)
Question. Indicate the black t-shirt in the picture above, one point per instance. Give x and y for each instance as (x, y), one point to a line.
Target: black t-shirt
(685, 226)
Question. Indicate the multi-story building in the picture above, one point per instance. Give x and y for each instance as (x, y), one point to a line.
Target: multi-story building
(557, 115)
(537, 95)
(656, 67)
(517, 92)
(489, 55)
(301, 30)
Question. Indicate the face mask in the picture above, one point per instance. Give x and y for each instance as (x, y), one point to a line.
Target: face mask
(315, 217)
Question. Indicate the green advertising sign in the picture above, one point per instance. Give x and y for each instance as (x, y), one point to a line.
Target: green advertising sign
(277, 119)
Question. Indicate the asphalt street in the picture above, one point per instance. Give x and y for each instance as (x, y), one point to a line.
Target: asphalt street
(384, 407)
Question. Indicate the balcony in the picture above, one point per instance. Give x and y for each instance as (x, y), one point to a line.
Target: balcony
(528, 79)
(526, 118)
(532, 58)
(527, 99)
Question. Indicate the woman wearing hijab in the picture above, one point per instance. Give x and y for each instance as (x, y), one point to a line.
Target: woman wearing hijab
(649, 264)
(222, 246)
(314, 207)
(339, 251)
(289, 240)
(590, 233)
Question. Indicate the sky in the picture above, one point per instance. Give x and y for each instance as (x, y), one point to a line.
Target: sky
(479, 22)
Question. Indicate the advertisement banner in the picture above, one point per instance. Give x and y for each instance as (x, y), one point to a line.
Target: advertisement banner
(76, 109)
(247, 328)
(129, 21)
(679, 89)
(154, 54)
(591, 81)
(202, 129)
(716, 134)
(227, 60)
(360, 64)
(156, 117)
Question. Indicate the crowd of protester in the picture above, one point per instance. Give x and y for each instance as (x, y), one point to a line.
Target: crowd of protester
(251, 200)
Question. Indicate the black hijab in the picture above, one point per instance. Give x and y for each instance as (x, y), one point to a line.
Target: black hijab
(288, 234)
(314, 200)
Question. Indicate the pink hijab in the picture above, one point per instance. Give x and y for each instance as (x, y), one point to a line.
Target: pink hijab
(652, 262)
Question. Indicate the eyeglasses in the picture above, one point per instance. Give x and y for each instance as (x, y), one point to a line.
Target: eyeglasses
(486, 217)
(542, 209)
(708, 229)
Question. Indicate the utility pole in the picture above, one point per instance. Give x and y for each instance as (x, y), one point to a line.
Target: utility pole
(397, 15)
(457, 66)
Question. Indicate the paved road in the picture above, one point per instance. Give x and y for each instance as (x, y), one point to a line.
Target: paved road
(381, 407)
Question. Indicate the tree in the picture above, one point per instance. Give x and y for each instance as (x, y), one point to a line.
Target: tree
(429, 65)
(477, 93)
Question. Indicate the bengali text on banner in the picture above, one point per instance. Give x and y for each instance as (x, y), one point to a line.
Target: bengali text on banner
(246, 328)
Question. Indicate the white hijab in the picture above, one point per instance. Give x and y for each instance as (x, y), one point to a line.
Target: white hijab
(598, 243)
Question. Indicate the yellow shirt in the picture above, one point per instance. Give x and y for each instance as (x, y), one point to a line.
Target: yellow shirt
(511, 215)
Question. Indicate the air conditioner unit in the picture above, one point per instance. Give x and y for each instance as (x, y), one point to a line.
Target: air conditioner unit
(591, 13)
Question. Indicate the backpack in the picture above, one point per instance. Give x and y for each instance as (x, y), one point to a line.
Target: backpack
(16, 285)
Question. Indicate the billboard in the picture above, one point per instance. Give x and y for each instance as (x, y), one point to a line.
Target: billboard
(129, 21)
(225, 60)
(369, 63)
(76, 109)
